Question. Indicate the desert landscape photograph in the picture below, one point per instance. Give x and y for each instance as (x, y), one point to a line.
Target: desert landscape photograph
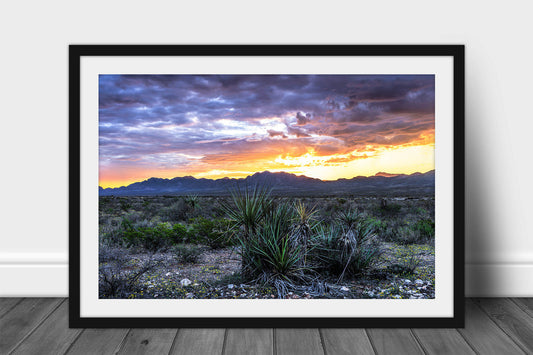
(266, 186)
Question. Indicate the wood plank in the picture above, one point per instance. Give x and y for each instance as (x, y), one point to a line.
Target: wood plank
(6, 304)
(484, 335)
(98, 342)
(514, 321)
(148, 341)
(53, 336)
(346, 341)
(23, 319)
(526, 304)
(249, 341)
(443, 341)
(199, 341)
(298, 341)
(394, 341)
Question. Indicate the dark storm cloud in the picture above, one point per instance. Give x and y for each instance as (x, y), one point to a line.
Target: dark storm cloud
(303, 119)
(273, 133)
(192, 114)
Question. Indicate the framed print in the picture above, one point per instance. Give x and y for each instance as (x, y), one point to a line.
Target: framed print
(266, 186)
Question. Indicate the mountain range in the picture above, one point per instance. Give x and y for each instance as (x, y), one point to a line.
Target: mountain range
(284, 184)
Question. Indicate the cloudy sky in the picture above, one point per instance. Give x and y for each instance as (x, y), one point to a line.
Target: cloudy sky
(214, 126)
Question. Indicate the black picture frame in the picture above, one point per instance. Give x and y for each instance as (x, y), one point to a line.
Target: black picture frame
(77, 52)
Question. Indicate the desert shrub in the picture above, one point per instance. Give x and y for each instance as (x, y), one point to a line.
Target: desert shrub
(150, 238)
(380, 226)
(119, 273)
(187, 253)
(405, 235)
(408, 262)
(210, 232)
(388, 208)
(179, 233)
(426, 228)
(329, 210)
(341, 201)
(111, 233)
(180, 210)
(420, 232)
(125, 206)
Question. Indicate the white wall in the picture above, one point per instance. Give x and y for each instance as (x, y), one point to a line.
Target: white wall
(34, 119)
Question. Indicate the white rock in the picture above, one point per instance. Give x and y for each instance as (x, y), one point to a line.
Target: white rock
(185, 282)
(419, 282)
(407, 281)
(230, 286)
(168, 274)
(345, 289)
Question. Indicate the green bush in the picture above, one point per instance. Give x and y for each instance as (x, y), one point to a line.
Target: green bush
(179, 233)
(408, 261)
(405, 235)
(152, 239)
(187, 253)
(178, 211)
(421, 232)
(426, 228)
(380, 226)
(210, 232)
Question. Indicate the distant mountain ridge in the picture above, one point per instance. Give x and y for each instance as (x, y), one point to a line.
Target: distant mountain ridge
(282, 183)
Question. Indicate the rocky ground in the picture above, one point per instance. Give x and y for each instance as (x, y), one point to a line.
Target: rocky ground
(216, 275)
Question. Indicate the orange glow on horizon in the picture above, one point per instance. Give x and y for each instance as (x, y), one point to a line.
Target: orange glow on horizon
(402, 159)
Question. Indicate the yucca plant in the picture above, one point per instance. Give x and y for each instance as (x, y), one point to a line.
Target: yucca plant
(357, 229)
(268, 254)
(274, 254)
(248, 208)
(304, 224)
(246, 212)
(346, 248)
(192, 201)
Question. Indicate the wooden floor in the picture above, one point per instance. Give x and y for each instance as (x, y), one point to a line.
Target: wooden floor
(40, 326)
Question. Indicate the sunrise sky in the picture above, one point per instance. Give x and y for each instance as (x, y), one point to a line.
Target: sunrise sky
(215, 126)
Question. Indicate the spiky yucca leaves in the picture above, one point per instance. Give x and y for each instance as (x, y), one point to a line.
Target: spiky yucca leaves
(249, 207)
(348, 218)
(304, 224)
(357, 229)
(274, 254)
(269, 256)
(347, 249)
(358, 248)
(247, 211)
(192, 201)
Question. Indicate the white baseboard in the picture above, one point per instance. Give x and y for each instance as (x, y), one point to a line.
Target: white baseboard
(47, 276)
(499, 280)
(34, 280)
